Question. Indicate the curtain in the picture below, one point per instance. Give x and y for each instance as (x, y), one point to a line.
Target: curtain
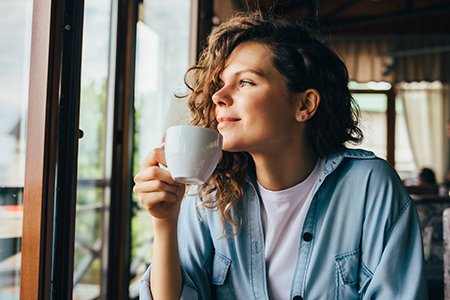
(364, 58)
(395, 59)
(425, 113)
(424, 59)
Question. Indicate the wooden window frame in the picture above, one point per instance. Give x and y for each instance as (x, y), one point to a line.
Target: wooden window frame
(40, 152)
(51, 150)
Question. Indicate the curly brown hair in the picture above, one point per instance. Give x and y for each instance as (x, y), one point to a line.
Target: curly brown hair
(304, 61)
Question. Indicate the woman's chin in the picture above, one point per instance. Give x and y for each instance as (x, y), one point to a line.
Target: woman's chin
(230, 147)
(234, 149)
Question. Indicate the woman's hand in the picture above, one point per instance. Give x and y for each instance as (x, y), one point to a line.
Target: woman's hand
(161, 196)
(158, 193)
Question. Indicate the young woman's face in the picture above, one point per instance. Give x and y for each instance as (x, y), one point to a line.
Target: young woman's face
(254, 109)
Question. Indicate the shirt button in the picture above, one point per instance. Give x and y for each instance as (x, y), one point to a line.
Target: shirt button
(307, 237)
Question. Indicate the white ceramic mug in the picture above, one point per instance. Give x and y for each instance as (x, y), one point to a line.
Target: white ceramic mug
(192, 153)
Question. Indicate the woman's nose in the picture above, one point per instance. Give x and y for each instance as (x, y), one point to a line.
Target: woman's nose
(222, 97)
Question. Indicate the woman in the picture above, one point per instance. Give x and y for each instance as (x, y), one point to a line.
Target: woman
(289, 212)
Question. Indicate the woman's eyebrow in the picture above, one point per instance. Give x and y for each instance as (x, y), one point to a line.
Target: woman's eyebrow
(246, 70)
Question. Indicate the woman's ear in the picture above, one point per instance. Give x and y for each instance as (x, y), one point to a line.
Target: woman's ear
(308, 102)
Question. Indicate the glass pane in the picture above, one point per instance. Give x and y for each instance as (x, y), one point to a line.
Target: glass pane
(93, 173)
(373, 122)
(14, 76)
(404, 160)
(88, 241)
(371, 85)
(162, 59)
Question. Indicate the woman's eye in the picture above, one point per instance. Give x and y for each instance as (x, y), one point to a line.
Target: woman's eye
(243, 83)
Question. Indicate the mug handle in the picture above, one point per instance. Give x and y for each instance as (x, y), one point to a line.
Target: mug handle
(162, 166)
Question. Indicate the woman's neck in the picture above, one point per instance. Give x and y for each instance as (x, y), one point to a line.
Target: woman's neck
(284, 169)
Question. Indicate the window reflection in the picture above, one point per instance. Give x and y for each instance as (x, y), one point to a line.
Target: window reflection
(14, 70)
(93, 174)
(162, 58)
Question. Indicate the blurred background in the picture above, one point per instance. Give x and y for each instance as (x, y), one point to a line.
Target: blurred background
(126, 61)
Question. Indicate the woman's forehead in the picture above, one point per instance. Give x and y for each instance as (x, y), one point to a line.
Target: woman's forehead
(249, 56)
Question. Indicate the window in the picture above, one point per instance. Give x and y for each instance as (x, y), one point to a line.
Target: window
(78, 171)
(163, 45)
(14, 71)
(383, 124)
(373, 121)
(424, 107)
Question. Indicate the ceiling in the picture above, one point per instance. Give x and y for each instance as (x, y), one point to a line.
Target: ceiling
(360, 17)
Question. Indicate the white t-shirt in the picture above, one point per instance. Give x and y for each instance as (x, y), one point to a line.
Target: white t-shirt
(283, 213)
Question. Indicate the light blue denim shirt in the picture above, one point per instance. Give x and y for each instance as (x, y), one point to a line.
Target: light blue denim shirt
(361, 240)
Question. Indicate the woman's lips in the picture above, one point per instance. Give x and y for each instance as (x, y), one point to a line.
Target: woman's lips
(226, 121)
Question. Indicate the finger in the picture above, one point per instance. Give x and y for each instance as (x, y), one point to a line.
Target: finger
(154, 173)
(157, 186)
(156, 198)
(154, 158)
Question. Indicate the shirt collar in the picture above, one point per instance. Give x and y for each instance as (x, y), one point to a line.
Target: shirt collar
(332, 160)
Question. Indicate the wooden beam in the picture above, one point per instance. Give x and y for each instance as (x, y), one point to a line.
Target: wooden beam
(35, 282)
(285, 8)
(340, 8)
(402, 16)
(409, 5)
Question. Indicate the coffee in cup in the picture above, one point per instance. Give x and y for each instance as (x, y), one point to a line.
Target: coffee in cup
(192, 153)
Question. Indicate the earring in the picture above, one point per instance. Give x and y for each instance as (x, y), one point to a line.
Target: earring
(302, 116)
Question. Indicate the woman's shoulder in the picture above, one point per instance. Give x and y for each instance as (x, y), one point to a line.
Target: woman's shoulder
(375, 180)
(359, 160)
(356, 153)
(363, 169)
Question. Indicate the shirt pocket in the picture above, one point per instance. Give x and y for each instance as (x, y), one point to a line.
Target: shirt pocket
(348, 275)
(220, 277)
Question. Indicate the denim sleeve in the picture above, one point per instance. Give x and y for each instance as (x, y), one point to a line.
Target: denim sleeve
(187, 291)
(400, 272)
(195, 250)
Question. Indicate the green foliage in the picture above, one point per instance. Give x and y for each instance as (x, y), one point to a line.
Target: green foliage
(91, 166)
(93, 111)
